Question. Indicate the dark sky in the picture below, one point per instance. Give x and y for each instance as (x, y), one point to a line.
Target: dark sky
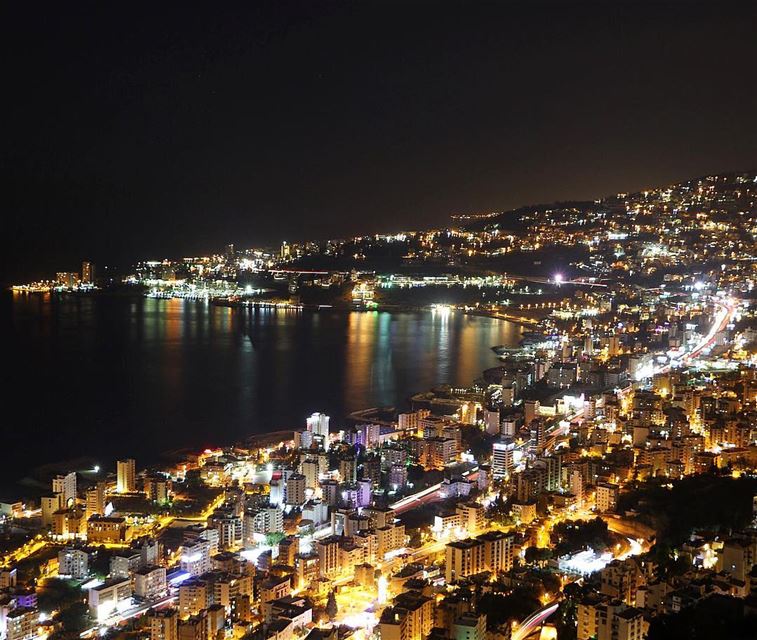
(146, 130)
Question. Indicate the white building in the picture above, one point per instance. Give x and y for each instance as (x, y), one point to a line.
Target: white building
(150, 583)
(503, 459)
(21, 624)
(265, 520)
(318, 425)
(195, 557)
(110, 597)
(73, 562)
(65, 485)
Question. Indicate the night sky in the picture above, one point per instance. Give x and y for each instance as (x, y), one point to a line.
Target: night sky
(147, 130)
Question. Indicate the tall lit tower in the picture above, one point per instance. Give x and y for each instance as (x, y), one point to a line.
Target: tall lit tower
(126, 481)
(87, 273)
(65, 485)
(318, 425)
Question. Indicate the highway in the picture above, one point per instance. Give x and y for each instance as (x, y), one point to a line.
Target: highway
(724, 316)
(534, 621)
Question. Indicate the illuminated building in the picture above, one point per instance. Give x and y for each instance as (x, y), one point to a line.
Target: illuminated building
(328, 556)
(348, 469)
(50, 504)
(576, 486)
(87, 273)
(264, 520)
(330, 492)
(8, 578)
(491, 551)
(67, 279)
(561, 375)
(96, 500)
(124, 563)
(389, 538)
(502, 459)
(411, 618)
(295, 490)
(620, 580)
(73, 562)
(69, 523)
(157, 488)
(364, 489)
(397, 476)
(110, 597)
(275, 587)
(469, 626)
(195, 557)
(318, 425)
(607, 497)
(531, 410)
(491, 420)
(307, 569)
(126, 477)
(65, 485)
(107, 529)
(163, 624)
(438, 452)
(21, 624)
(471, 516)
(310, 469)
(289, 547)
(193, 597)
(229, 527)
(738, 556)
(150, 583)
(193, 628)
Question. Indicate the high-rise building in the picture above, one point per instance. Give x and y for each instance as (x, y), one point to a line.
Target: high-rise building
(348, 469)
(126, 477)
(491, 421)
(310, 469)
(491, 551)
(502, 459)
(195, 559)
(150, 582)
(607, 497)
(328, 555)
(96, 500)
(194, 596)
(318, 425)
(397, 476)
(68, 279)
(87, 273)
(65, 485)
(531, 410)
(295, 490)
(576, 484)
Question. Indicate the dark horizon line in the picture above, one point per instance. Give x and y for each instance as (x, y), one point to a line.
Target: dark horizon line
(172, 256)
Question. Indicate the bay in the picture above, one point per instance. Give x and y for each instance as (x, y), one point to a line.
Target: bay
(108, 377)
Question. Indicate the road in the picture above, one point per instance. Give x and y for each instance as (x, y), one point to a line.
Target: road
(131, 612)
(726, 311)
(535, 620)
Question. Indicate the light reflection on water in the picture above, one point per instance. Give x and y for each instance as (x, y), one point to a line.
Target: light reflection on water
(118, 376)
